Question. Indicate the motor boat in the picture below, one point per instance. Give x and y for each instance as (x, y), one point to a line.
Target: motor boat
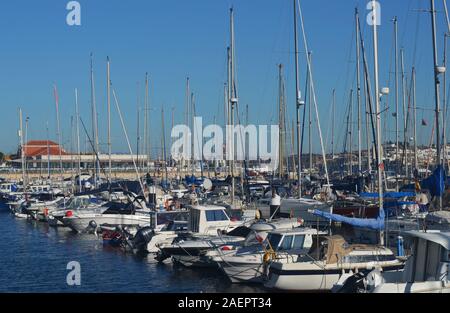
(249, 263)
(330, 257)
(209, 226)
(426, 269)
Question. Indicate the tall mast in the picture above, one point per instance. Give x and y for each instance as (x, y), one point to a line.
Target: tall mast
(48, 152)
(58, 129)
(164, 143)
(416, 163)
(444, 103)
(396, 99)
(377, 108)
(77, 112)
(436, 90)
(229, 87)
(108, 97)
(146, 123)
(405, 126)
(138, 126)
(368, 141)
(22, 150)
(281, 121)
(358, 90)
(310, 103)
(351, 132)
(233, 100)
(333, 107)
(192, 135)
(94, 124)
(298, 104)
(187, 122)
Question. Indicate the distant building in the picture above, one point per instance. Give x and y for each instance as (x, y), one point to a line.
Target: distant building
(41, 154)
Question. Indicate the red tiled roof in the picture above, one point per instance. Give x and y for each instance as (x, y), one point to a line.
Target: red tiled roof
(42, 147)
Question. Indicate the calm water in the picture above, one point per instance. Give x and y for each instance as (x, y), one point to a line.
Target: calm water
(34, 256)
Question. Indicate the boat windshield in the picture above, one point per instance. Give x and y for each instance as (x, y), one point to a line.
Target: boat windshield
(216, 215)
(273, 240)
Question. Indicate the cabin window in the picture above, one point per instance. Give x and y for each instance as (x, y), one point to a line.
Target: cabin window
(274, 240)
(287, 243)
(216, 215)
(298, 242)
(194, 220)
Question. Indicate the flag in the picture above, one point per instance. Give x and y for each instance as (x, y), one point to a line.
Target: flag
(259, 238)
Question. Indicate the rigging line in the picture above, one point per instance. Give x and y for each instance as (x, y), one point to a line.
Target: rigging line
(126, 137)
(313, 93)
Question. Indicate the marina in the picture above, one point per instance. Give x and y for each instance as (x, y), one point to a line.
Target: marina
(146, 197)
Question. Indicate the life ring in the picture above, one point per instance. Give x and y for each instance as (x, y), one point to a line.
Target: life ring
(45, 211)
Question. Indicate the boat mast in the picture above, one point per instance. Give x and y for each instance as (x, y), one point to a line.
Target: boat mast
(333, 106)
(358, 90)
(281, 121)
(416, 163)
(380, 164)
(58, 129)
(77, 112)
(350, 132)
(310, 121)
(405, 113)
(444, 103)
(192, 134)
(186, 163)
(298, 104)
(22, 151)
(138, 126)
(108, 97)
(94, 123)
(164, 143)
(147, 126)
(395, 20)
(233, 98)
(436, 90)
(48, 152)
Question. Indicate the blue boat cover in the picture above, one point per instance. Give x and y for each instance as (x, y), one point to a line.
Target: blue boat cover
(387, 194)
(435, 183)
(372, 223)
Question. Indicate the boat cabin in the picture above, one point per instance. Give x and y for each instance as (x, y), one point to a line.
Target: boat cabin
(295, 241)
(430, 258)
(209, 219)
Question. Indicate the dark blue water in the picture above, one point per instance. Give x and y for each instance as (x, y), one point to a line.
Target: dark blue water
(34, 257)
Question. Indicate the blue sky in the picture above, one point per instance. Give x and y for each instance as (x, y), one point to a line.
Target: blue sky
(172, 39)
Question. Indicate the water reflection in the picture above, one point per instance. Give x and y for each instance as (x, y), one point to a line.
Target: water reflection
(34, 259)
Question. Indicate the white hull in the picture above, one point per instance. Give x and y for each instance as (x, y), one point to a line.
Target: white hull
(81, 224)
(243, 272)
(314, 276)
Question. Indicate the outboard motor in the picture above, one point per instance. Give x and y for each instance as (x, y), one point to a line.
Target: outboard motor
(142, 238)
(92, 227)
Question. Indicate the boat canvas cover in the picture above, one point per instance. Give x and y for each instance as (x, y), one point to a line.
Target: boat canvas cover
(337, 248)
(372, 223)
(393, 195)
(435, 183)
